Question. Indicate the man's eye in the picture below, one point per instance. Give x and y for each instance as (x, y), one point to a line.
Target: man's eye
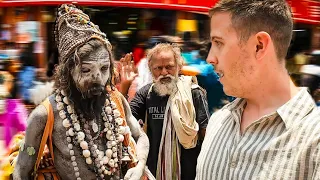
(104, 68)
(170, 67)
(218, 43)
(85, 70)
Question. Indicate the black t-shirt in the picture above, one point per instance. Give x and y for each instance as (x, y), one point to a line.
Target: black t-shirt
(153, 105)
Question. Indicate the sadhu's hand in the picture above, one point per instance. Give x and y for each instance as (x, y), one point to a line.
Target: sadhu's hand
(134, 173)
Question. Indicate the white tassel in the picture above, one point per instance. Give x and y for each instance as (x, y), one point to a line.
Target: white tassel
(40, 92)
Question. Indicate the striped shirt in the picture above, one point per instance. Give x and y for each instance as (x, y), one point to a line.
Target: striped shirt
(283, 145)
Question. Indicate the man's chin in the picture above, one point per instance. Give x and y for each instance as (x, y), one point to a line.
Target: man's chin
(98, 93)
(94, 92)
(164, 89)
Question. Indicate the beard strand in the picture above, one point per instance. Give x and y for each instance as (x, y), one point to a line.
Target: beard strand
(84, 102)
(164, 89)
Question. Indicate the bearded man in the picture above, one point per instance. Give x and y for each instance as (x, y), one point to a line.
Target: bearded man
(175, 114)
(91, 123)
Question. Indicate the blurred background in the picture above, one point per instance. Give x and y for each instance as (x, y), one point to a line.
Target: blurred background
(28, 53)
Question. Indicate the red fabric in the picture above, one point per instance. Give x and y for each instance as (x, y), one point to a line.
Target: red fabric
(305, 11)
(138, 54)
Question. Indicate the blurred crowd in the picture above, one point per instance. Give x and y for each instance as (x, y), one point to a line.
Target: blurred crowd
(155, 83)
(22, 73)
(18, 78)
(23, 85)
(304, 68)
(132, 77)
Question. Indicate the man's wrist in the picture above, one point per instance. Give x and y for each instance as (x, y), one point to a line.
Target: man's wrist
(141, 164)
(124, 88)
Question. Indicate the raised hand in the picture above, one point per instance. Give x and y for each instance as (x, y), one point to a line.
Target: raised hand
(127, 73)
(128, 70)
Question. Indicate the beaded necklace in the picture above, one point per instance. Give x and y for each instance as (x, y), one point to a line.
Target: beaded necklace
(106, 161)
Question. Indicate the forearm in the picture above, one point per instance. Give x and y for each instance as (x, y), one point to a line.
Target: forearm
(124, 88)
(139, 136)
(142, 149)
(23, 167)
(27, 157)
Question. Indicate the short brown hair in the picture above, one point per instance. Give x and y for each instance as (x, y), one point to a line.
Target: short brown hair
(252, 16)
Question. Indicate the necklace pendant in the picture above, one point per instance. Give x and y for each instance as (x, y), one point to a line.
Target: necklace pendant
(95, 127)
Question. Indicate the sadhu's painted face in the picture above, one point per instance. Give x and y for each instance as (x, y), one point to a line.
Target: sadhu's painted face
(92, 74)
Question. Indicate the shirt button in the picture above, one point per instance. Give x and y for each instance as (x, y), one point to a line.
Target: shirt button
(233, 165)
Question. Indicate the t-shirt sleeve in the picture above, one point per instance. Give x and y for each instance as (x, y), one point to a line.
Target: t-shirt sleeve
(138, 103)
(201, 107)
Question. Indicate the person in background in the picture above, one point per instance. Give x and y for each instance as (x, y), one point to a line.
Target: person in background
(13, 113)
(135, 76)
(310, 74)
(145, 76)
(174, 112)
(43, 84)
(13, 69)
(27, 73)
(207, 78)
(271, 131)
(317, 97)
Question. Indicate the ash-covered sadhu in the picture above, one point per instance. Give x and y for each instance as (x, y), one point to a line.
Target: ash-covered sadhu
(93, 124)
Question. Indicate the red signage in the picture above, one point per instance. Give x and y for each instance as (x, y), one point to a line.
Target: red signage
(185, 5)
(306, 11)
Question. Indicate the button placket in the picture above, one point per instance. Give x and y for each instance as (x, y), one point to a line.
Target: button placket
(233, 164)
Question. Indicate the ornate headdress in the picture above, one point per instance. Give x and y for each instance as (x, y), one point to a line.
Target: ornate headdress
(73, 29)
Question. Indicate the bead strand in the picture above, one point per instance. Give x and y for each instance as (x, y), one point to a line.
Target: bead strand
(105, 163)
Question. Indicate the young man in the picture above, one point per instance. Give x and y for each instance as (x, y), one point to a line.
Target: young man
(92, 126)
(175, 114)
(272, 130)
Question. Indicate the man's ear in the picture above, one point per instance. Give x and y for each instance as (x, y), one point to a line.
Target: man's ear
(262, 44)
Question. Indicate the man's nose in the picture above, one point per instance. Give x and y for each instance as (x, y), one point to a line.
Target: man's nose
(212, 58)
(97, 78)
(164, 71)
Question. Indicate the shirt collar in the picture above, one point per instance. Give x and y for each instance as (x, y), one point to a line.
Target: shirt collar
(292, 111)
(296, 108)
(235, 105)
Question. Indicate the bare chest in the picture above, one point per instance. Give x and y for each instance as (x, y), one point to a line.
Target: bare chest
(86, 151)
(65, 158)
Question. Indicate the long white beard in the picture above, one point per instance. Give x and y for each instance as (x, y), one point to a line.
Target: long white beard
(164, 89)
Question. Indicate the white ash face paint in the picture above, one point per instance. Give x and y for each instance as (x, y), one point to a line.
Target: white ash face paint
(93, 71)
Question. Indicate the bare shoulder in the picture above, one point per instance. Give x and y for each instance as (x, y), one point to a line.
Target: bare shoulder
(37, 118)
